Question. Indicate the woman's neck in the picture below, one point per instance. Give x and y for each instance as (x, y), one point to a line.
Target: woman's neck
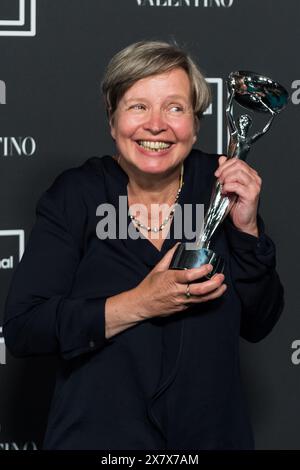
(152, 189)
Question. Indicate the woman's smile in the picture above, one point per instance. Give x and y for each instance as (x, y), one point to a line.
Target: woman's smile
(155, 148)
(155, 119)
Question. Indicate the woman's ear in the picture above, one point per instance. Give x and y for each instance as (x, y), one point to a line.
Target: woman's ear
(111, 125)
(196, 128)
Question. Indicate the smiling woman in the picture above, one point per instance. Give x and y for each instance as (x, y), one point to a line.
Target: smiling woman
(149, 356)
(153, 127)
(155, 97)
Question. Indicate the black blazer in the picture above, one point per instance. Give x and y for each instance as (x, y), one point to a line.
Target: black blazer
(166, 383)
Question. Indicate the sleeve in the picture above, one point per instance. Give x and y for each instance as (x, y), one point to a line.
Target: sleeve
(253, 270)
(40, 317)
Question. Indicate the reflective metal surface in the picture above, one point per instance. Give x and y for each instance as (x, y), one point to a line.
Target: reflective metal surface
(185, 258)
(254, 91)
(257, 93)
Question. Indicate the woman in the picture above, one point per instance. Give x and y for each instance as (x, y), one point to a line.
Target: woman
(149, 355)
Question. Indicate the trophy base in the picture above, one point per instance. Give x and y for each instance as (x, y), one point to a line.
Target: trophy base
(187, 259)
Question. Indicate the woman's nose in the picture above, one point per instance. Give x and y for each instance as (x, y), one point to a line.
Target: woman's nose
(155, 122)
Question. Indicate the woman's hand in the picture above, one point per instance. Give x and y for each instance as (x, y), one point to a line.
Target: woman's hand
(239, 178)
(162, 291)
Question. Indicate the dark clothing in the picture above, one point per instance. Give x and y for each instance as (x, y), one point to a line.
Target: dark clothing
(167, 383)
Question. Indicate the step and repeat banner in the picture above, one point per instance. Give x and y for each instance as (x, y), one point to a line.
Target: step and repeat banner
(52, 58)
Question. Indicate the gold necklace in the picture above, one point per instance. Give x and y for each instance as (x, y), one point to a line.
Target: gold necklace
(166, 220)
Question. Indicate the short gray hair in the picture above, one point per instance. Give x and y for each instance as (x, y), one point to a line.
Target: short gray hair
(145, 58)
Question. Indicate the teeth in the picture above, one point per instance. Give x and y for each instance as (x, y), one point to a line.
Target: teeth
(147, 144)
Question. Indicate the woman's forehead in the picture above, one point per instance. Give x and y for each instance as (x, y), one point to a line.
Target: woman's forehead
(174, 83)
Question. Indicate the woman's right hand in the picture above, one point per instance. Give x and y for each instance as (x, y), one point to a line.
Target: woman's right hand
(162, 291)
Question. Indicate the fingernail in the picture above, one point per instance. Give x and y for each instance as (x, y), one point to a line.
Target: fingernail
(209, 268)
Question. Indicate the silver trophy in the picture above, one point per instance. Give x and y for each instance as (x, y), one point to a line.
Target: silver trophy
(259, 94)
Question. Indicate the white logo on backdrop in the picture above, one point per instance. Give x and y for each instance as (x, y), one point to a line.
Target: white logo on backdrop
(2, 92)
(17, 446)
(7, 263)
(11, 146)
(295, 357)
(2, 349)
(21, 239)
(219, 111)
(186, 3)
(22, 146)
(295, 97)
(24, 24)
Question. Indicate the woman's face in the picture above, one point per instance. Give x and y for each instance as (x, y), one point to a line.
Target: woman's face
(154, 126)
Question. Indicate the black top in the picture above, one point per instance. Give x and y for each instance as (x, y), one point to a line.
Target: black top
(167, 383)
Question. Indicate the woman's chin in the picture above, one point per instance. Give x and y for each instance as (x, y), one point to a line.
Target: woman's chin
(154, 168)
(154, 163)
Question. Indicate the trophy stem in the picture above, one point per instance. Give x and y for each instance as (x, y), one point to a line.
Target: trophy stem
(254, 92)
(218, 209)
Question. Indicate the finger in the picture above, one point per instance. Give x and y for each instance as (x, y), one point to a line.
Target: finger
(246, 193)
(232, 175)
(164, 263)
(204, 298)
(235, 163)
(222, 160)
(185, 276)
(206, 287)
(226, 163)
(238, 166)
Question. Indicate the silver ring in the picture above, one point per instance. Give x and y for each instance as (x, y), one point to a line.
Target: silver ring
(187, 292)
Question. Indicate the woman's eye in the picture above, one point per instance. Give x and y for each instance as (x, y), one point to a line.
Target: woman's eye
(137, 107)
(176, 109)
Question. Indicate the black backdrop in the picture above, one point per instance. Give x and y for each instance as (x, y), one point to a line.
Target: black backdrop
(52, 56)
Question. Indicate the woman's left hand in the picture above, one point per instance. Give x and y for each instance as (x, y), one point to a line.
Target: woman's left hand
(239, 178)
